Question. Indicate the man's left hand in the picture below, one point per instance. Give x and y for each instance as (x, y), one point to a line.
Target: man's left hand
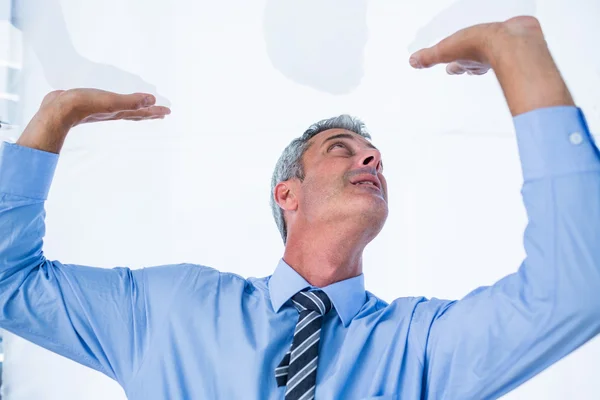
(473, 49)
(517, 52)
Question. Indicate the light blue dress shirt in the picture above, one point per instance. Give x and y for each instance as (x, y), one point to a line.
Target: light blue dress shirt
(191, 332)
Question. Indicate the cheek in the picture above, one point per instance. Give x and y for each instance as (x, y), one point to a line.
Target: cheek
(384, 186)
(323, 190)
(313, 191)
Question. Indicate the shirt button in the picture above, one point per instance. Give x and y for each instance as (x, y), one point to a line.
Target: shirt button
(576, 138)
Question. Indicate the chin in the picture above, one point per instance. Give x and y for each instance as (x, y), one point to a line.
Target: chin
(372, 208)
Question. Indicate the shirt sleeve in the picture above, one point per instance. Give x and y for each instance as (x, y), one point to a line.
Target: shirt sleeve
(499, 336)
(98, 317)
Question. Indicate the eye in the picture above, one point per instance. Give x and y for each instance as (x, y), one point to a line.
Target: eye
(336, 144)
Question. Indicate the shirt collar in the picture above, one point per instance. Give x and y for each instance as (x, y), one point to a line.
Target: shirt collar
(347, 296)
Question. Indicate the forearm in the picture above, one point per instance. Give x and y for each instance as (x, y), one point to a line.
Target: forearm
(25, 178)
(527, 73)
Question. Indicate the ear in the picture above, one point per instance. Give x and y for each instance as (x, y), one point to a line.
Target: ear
(285, 196)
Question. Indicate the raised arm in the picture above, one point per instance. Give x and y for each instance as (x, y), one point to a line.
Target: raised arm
(497, 337)
(97, 317)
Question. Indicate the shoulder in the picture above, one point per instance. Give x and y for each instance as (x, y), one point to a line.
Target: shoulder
(193, 277)
(409, 307)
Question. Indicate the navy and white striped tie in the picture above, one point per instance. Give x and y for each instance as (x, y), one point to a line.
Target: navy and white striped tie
(298, 369)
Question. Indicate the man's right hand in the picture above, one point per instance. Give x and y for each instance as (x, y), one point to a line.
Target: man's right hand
(61, 110)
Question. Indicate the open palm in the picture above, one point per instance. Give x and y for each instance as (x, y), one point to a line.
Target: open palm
(87, 105)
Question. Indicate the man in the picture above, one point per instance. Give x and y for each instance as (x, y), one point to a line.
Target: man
(310, 329)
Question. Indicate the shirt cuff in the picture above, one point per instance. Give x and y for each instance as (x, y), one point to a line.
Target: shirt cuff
(555, 141)
(26, 172)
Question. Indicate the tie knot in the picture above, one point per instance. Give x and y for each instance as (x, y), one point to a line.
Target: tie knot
(315, 300)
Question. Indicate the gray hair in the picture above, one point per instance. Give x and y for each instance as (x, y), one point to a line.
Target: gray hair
(290, 163)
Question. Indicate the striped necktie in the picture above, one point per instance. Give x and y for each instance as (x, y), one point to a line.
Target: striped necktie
(298, 369)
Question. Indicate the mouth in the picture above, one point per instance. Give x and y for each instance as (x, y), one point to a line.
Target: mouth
(368, 186)
(367, 180)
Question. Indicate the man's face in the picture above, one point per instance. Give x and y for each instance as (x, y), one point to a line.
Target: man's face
(334, 165)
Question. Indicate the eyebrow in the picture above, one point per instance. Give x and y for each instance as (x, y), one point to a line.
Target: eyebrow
(346, 136)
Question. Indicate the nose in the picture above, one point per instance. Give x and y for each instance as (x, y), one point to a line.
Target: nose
(372, 158)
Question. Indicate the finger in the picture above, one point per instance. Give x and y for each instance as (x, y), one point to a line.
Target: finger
(468, 64)
(143, 113)
(455, 68)
(142, 118)
(111, 102)
(481, 71)
(463, 45)
(96, 101)
(154, 111)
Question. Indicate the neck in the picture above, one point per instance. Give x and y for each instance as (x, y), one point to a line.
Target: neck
(323, 257)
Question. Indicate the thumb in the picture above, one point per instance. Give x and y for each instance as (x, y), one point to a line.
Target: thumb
(109, 102)
(465, 44)
(95, 101)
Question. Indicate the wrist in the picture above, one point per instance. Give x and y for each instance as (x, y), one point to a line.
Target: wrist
(47, 129)
(520, 57)
(60, 111)
(516, 34)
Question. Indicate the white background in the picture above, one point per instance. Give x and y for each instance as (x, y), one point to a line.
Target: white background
(245, 77)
